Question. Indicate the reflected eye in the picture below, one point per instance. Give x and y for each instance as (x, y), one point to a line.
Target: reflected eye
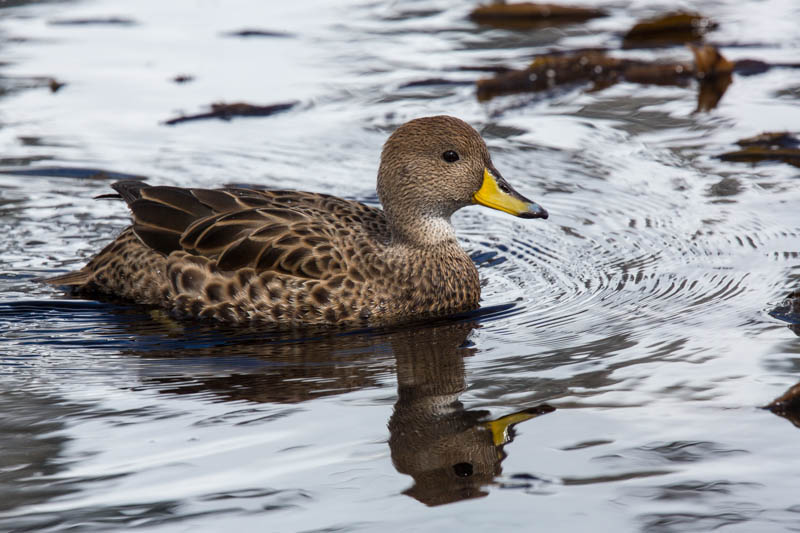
(462, 469)
(450, 156)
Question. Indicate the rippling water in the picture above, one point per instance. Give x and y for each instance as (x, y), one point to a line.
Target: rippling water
(639, 310)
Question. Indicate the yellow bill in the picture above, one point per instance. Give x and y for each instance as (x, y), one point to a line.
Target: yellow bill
(500, 427)
(495, 192)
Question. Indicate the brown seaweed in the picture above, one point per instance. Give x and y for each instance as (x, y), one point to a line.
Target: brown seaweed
(429, 82)
(601, 70)
(548, 71)
(225, 111)
(768, 146)
(755, 154)
(527, 15)
(12, 84)
(255, 32)
(780, 139)
(670, 29)
(183, 78)
(99, 21)
(55, 85)
(714, 73)
(787, 405)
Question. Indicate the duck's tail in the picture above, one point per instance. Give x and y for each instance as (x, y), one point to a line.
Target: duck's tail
(128, 190)
(71, 279)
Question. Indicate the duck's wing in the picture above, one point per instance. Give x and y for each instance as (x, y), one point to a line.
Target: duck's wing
(303, 234)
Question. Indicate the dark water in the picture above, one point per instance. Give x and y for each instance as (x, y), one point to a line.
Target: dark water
(639, 310)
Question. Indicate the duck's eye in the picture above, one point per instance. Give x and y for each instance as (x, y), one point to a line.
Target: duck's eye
(450, 156)
(463, 469)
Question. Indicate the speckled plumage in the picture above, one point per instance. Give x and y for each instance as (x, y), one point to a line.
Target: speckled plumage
(297, 258)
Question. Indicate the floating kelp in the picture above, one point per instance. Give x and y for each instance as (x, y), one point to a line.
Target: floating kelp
(228, 111)
(255, 32)
(670, 29)
(55, 85)
(788, 405)
(602, 70)
(496, 69)
(713, 72)
(528, 15)
(430, 82)
(13, 84)
(101, 21)
(548, 71)
(780, 139)
(769, 146)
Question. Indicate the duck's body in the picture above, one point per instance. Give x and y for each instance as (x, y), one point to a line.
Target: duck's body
(297, 258)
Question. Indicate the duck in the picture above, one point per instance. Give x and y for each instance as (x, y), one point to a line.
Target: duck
(292, 258)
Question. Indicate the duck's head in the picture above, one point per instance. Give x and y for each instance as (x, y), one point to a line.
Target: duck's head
(431, 167)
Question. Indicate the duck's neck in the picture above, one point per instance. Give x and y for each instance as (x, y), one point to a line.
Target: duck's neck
(420, 228)
(424, 233)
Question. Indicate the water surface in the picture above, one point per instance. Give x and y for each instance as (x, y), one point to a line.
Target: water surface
(639, 310)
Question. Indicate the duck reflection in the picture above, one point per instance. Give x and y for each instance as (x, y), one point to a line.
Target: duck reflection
(451, 452)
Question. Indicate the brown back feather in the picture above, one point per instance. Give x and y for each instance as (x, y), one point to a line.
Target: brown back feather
(288, 232)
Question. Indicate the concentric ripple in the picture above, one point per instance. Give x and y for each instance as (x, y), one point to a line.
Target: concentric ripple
(634, 266)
